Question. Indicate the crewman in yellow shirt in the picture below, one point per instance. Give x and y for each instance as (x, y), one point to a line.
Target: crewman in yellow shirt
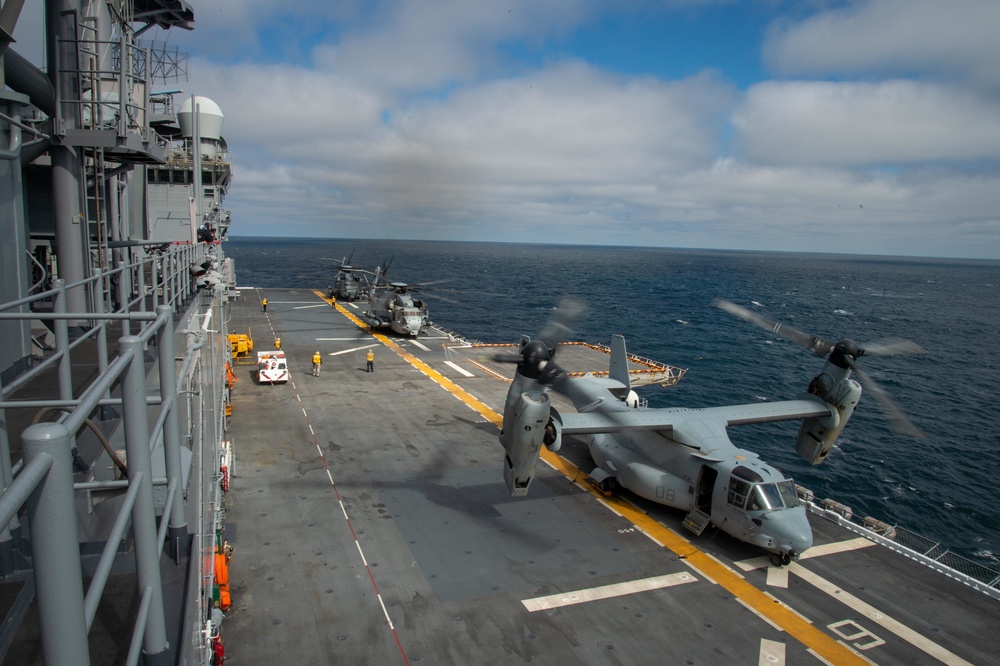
(317, 361)
(371, 361)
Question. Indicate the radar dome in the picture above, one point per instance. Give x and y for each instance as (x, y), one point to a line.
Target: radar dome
(210, 118)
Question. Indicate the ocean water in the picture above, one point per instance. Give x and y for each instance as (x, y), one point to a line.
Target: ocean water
(941, 486)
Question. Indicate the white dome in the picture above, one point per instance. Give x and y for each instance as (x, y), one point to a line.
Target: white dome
(210, 119)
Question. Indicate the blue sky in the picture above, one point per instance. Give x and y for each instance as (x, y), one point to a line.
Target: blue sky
(858, 126)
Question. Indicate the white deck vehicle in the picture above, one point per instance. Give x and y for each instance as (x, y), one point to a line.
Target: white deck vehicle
(271, 367)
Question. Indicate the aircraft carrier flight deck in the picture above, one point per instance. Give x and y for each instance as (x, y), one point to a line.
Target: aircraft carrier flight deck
(370, 524)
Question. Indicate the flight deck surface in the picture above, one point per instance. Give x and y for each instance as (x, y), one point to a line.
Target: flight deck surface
(372, 525)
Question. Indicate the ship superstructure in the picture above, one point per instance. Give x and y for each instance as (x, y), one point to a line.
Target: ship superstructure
(113, 305)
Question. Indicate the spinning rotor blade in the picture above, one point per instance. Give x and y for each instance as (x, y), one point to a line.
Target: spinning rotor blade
(844, 354)
(437, 295)
(560, 327)
(536, 355)
(899, 421)
(890, 347)
(815, 344)
(506, 358)
(421, 285)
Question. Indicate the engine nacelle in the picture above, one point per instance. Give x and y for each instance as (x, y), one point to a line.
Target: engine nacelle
(553, 431)
(525, 429)
(818, 434)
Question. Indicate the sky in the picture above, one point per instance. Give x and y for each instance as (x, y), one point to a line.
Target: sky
(862, 127)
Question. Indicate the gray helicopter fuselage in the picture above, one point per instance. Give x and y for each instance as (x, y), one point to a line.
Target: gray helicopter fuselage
(347, 286)
(695, 465)
(683, 458)
(397, 310)
(679, 457)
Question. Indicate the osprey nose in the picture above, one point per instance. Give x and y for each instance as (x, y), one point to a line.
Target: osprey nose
(790, 530)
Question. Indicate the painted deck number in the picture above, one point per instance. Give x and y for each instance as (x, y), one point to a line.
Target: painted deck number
(626, 530)
(859, 633)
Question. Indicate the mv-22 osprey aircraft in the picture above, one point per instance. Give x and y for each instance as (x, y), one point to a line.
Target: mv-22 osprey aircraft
(683, 457)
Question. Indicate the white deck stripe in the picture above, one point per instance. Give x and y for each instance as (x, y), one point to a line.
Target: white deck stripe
(777, 577)
(837, 547)
(772, 653)
(459, 368)
(418, 345)
(607, 591)
(876, 616)
(816, 551)
(354, 349)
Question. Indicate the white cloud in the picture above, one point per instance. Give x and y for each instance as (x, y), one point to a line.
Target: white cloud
(571, 123)
(282, 107)
(565, 137)
(408, 123)
(954, 40)
(858, 124)
(411, 46)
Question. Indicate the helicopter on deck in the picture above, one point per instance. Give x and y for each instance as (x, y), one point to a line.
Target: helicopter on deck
(680, 457)
(350, 283)
(393, 306)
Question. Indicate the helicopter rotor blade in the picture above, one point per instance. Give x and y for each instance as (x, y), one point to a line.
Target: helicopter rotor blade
(422, 285)
(890, 347)
(560, 327)
(501, 357)
(536, 355)
(437, 295)
(813, 343)
(847, 352)
(899, 421)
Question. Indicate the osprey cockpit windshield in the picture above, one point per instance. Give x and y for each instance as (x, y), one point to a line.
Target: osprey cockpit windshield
(772, 496)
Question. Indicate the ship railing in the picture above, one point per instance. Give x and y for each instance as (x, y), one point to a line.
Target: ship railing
(927, 552)
(66, 614)
(131, 291)
(455, 339)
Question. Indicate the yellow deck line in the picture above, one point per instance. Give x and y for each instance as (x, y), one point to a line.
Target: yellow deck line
(781, 615)
(450, 386)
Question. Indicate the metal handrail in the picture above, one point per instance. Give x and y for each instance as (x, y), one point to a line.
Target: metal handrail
(987, 580)
(66, 622)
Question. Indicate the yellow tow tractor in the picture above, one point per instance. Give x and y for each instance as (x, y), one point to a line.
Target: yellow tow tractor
(242, 348)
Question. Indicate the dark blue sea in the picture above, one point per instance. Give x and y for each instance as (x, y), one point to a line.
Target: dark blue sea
(941, 486)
